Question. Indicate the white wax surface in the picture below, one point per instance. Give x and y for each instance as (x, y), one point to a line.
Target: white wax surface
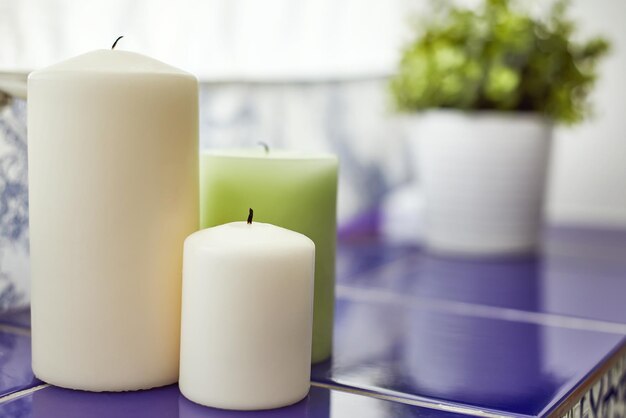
(113, 176)
(247, 316)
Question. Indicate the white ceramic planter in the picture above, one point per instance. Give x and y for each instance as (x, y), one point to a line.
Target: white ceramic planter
(483, 177)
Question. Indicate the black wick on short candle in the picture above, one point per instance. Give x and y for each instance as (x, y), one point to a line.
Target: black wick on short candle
(115, 43)
(250, 214)
(265, 146)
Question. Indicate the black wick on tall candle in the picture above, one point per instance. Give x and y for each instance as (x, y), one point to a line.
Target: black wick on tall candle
(115, 43)
(250, 214)
(265, 146)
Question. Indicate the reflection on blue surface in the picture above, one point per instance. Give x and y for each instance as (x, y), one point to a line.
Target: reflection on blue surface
(15, 371)
(510, 283)
(317, 404)
(18, 408)
(168, 402)
(490, 363)
(55, 402)
(508, 367)
(399, 333)
(575, 283)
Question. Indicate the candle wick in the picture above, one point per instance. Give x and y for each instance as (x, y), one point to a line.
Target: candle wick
(115, 43)
(265, 146)
(250, 214)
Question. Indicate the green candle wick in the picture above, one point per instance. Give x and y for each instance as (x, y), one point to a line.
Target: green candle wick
(250, 214)
(115, 43)
(265, 146)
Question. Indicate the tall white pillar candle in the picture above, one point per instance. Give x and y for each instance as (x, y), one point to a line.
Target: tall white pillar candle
(247, 316)
(113, 155)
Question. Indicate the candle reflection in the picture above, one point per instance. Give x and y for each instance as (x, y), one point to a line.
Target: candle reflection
(166, 402)
(65, 403)
(315, 405)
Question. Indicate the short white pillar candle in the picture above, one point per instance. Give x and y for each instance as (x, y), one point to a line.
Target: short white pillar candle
(247, 316)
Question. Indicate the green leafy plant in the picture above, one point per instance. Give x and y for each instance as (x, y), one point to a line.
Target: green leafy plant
(498, 57)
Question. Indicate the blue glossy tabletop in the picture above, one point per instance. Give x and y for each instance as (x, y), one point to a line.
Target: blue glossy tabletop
(15, 370)
(419, 334)
(478, 364)
(168, 402)
(579, 274)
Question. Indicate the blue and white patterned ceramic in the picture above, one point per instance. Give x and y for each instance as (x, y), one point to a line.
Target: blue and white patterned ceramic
(14, 265)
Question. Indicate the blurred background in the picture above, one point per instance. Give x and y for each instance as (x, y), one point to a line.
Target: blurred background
(305, 74)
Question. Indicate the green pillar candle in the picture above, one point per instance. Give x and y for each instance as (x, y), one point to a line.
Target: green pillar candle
(297, 191)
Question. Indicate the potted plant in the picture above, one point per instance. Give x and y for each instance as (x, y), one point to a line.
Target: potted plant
(485, 86)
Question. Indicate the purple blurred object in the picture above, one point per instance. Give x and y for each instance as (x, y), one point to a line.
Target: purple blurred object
(17, 318)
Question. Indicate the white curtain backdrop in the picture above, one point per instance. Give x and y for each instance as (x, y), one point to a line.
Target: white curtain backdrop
(214, 39)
